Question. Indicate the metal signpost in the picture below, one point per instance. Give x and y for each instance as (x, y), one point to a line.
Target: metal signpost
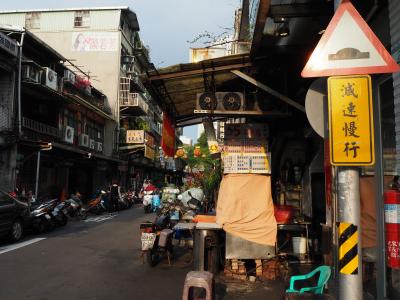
(349, 47)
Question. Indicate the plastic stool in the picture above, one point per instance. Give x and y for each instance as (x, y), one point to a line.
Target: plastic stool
(200, 279)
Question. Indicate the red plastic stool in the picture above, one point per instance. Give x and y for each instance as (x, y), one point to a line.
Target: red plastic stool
(200, 279)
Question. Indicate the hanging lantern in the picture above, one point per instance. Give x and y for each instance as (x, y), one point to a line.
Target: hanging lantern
(197, 151)
(180, 152)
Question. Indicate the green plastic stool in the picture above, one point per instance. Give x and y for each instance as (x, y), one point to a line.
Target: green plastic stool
(325, 273)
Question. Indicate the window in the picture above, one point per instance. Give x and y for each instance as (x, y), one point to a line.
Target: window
(82, 18)
(32, 20)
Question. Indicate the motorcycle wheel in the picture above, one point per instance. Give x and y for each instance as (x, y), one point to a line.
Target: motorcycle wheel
(152, 257)
(38, 226)
(82, 215)
(64, 220)
(50, 226)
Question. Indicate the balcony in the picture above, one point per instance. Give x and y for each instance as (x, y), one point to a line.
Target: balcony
(133, 104)
(36, 130)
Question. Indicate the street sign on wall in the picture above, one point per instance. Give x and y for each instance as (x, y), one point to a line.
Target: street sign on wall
(348, 47)
(351, 134)
(135, 136)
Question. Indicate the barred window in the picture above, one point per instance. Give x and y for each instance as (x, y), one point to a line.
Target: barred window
(32, 20)
(82, 18)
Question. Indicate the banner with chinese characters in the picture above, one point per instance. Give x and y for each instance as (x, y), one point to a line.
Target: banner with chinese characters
(135, 136)
(168, 137)
(351, 132)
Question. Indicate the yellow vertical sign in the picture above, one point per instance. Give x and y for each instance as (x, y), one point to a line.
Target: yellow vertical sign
(351, 132)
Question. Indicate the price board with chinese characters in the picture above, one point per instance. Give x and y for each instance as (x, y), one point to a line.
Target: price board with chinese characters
(351, 133)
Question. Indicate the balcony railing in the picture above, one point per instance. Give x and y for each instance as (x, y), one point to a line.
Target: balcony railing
(134, 103)
(40, 127)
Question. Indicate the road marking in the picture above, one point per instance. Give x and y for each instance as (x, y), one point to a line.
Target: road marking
(19, 245)
(101, 218)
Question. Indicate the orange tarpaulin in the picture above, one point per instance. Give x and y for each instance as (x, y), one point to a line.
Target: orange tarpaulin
(245, 207)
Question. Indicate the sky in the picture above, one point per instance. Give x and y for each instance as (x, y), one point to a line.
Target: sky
(166, 26)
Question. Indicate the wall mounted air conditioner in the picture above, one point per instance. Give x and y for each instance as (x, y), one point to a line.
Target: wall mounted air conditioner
(92, 144)
(220, 101)
(83, 140)
(69, 76)
(68, 134)
(31, 73)
(50, 79)
(99, 146)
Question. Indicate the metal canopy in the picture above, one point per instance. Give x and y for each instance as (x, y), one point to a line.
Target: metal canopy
(179, 84)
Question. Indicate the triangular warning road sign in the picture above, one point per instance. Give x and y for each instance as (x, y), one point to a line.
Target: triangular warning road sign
(349, 47)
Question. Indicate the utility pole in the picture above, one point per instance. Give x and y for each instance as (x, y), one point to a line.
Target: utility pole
(348, 183)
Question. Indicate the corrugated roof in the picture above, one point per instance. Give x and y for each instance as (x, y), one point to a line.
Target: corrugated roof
(182, 82)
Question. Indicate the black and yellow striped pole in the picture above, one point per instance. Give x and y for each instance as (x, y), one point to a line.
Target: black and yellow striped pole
(348, 248)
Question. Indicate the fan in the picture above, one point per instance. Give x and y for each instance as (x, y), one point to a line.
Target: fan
(232, 101)
(208, 101)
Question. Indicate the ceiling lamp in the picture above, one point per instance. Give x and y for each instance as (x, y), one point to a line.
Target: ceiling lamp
(283, 31)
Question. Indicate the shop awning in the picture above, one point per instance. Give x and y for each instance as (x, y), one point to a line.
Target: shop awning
(179, 84)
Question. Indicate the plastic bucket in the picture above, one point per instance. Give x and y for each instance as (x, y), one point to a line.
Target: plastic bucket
(299, 245)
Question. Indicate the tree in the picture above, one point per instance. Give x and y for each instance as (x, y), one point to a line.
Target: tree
(207, 173)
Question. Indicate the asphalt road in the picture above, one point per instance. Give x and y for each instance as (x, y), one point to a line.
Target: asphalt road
(96, 259)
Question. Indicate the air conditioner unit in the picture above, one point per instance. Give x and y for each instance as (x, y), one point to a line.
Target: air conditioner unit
(83, 140)
(68, 134)
(128, 59)
(50, 79)
(92, 144)
(99, 146)
(220, 101)
(31, 73)
(69, 76)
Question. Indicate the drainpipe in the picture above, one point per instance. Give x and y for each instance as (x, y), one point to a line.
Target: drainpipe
(20, 44)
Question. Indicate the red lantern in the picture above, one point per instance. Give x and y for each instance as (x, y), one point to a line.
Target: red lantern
(197, 151)
(180, 152)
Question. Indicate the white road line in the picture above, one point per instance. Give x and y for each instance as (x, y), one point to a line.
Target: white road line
(100, 219)
(19, 245)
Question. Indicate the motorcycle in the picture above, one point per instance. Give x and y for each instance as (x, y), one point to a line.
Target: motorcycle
(95, 205)
(60, 212)
(147, 199)
(41, 217)
(75, 209)
(156, 237)
(193, 202)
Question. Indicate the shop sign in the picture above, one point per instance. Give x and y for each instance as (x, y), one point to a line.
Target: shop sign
(245, 132)
(135, 136)
(351, 131)
(150, 140)
(149, 153)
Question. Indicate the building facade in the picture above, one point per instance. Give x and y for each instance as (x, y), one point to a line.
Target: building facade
(105, 43)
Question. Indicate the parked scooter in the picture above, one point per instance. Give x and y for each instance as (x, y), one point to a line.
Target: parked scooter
(193, 202)
(60, 212)
(157, 237)
(147, 199)
(95, 205)
(75, 209)
(41, 216)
